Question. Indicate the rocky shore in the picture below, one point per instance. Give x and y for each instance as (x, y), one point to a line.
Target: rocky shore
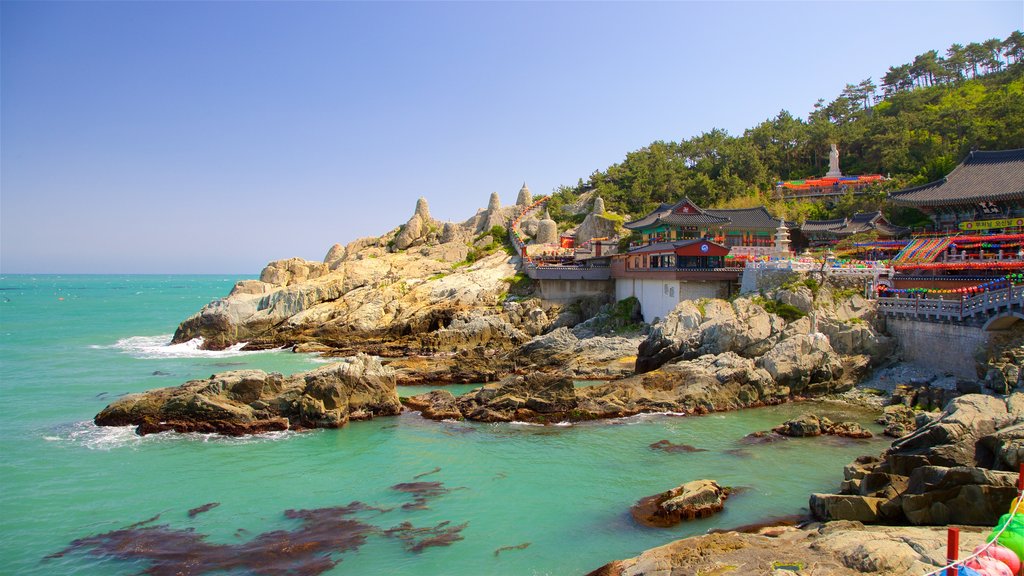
(252, 401)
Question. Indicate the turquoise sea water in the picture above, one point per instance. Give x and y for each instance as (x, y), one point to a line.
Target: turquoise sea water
(71, 344)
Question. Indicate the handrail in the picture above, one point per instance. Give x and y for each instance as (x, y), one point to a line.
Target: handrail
(993, 301)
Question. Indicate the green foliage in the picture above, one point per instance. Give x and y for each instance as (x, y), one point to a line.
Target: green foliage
(914, 126)
(520, 284)
(787, 312)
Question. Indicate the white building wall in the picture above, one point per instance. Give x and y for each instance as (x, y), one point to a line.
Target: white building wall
(659, 297)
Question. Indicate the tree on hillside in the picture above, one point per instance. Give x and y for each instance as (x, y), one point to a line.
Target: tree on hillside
(897, 79)
(992, 61)
(925, 67)
(1013, 46)
(955, 63)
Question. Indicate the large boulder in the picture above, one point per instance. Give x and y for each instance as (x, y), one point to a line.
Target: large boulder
(690, 501)
(247, 401)
(802, 361)
(292, 271)
(536, 397)
(959, 468)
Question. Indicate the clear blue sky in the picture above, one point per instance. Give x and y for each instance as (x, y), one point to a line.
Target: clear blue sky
(214, 137)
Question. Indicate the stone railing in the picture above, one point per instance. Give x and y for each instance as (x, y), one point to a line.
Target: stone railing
(985, 304)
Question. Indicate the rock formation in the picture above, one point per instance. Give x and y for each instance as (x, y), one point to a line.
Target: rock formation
(596, 224)
(547, 230)
(417, 229)
(252, 401)
(833, 549)
(960, 468)
(525, 198)
(811, 425)
(690, 501)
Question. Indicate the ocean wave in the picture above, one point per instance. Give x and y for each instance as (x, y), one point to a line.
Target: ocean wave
(159, 347)
(88, 435)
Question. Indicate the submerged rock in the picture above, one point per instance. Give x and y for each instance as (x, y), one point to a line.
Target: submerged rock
(251, 401)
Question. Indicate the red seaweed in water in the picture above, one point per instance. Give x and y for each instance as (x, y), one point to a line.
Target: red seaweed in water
(666, 446)
(417, 539)
(422, 492)
(204, 508)
(304, 551)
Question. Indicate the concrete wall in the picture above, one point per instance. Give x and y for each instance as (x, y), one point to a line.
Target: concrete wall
(942, 347)
(658, 297)
(562, 291)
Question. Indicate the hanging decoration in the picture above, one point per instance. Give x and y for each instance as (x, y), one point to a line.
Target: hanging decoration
(996, 284)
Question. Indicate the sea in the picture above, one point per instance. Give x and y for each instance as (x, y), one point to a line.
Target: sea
(397, 495)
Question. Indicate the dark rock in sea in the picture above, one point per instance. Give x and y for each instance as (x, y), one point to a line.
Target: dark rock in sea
(697, 499)
(666, 446)
(251, 401)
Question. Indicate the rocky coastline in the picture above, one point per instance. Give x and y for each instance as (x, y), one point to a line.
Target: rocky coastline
(442, 303)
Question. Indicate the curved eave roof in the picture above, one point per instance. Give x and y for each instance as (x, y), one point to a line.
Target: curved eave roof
(982, 176)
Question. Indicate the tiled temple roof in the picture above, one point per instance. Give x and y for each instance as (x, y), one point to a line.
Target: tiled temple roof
(982, 176)
(757, 217)
(667, 214)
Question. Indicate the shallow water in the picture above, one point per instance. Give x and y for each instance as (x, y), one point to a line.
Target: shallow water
(565, 490)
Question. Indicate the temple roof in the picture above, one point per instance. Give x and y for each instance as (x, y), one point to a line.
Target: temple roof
(757, 217)
(982, 176)
(859, 222)
(682, 213)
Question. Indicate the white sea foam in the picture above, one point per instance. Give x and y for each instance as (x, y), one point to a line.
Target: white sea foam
(88, 435)
(158, 347)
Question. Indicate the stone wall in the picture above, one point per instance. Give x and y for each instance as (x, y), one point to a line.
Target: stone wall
(938, 346)
(562, 291)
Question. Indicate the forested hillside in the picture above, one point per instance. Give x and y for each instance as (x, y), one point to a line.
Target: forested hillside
(914, 125)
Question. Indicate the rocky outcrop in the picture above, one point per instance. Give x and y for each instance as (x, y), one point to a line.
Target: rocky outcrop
(690, 501)
(833, 549)
(710, 383)
(746, 328)
(595, 357)
(292, 271)
(536, 397)
(956, 469)
(547, 230)
(364, 302)
(251, 401)
(811, 425)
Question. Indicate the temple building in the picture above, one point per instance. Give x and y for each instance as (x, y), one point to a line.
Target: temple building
(827, 232)
(984, 193)
(833, 183)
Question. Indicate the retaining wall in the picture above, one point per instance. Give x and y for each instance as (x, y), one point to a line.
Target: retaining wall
(940, 346)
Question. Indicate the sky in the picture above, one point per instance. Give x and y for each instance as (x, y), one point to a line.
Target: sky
(214, 137)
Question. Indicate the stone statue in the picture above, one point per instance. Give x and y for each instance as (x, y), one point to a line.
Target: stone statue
(833, 163)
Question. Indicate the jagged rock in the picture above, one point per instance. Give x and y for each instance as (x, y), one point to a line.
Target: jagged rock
(292, 271)
(536, 397)
(335, 256)
(944, 472)
(529, 226)
(802, 361)
(596, 225)
(811, 425)
(435, 405)
(243, 401)
(492, 331)
(696, 499)
(593, 357)
(959, 495)
(899, 420)
(412, 232)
